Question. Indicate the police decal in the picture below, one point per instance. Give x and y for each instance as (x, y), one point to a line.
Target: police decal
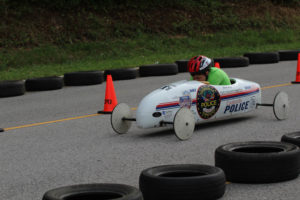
(236, 106)
(208, 101)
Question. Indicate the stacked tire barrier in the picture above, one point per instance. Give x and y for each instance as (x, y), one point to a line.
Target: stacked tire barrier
(122, 74)
(262, 58)
(94, 192)
(240, 162)
(158, 70)
(176, 182)
(12, 88)
(187, 181)
(182, 65)
(82, 78)
(232, 62)
(258, 161)
(293, 138)
(45, 83)
(288, 55)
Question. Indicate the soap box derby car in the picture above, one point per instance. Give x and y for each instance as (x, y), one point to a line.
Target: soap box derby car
(186, 103)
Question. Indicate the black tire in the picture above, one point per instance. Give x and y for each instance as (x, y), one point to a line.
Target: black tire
(262, 58)
(45, 83)
(182, 65)
(83, 78)
(93, 192)
(186, 181)
(288, 54)
(12, 88)
(258, 161)
(232, 62)
(121, 74)
(293, 138)
(158, 70)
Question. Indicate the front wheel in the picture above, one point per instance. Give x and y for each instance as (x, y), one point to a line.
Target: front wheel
(184, 123)
(118, 123)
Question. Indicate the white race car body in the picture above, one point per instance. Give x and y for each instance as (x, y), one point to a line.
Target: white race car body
(207, 102)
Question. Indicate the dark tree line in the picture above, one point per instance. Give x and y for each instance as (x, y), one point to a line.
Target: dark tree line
(110, 4)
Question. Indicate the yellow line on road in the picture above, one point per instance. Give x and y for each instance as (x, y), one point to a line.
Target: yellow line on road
(93, 115)
(55, 121)
(50, 122)
(273, 86)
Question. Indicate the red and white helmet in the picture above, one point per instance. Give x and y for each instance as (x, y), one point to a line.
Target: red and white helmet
(199, 63)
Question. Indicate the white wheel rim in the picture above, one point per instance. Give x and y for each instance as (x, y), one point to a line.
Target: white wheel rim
(281, 106)
(119, 125)
(184, 124)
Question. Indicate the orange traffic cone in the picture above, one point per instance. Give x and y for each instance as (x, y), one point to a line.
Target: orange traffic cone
(110, 100)
(217, 65)
(298, 71)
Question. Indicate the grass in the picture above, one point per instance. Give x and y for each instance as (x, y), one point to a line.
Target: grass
(145, 49)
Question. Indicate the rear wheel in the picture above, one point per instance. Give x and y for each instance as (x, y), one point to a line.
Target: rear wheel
(281, 105)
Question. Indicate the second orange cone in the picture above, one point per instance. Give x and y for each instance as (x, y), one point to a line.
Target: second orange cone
(110, 100)
(298, 71)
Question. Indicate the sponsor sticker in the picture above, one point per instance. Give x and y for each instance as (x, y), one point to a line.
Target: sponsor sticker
(227, 87)
(208, 101)
(231, 91)
(167, 114)
(186, 100)
(252, 102)
(229, 103)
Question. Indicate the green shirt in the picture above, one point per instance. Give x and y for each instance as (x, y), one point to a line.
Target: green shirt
(217, 76)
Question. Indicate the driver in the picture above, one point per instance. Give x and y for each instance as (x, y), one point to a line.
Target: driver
(200, 68)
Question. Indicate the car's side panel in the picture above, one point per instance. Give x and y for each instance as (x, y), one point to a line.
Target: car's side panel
(207, 102)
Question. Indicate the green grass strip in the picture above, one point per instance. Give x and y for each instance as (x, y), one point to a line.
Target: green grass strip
(132, 52)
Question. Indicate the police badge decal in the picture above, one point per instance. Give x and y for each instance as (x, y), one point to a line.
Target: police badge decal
(208, 101)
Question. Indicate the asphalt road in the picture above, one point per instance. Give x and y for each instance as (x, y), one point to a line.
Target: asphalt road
(86, 150)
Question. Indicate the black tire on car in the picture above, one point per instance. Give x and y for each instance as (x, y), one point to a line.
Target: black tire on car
(121, 74)
(184, 181)
(12, 88)
(83, 78)
(258, 161)
(293, 138)
(94, 192)
(288, 54)
(158, 70)
(262, 58)
(182, 65)
(44, 83)
(232, 62)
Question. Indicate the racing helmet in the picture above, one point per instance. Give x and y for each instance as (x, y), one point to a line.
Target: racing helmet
(199, 64)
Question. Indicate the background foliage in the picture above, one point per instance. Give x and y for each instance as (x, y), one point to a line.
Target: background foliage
(50, 37)
(30, 23)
